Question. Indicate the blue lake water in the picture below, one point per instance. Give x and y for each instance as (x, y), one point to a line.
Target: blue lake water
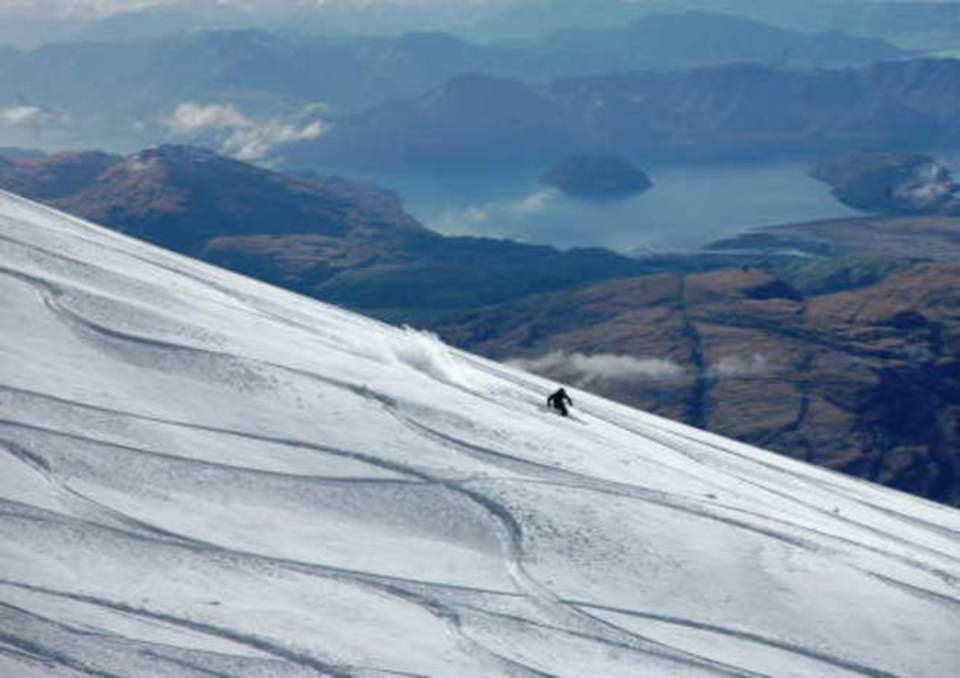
(688, 207)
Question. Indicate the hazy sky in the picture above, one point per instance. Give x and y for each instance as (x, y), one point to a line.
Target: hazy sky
(69, 7)
(100, 7)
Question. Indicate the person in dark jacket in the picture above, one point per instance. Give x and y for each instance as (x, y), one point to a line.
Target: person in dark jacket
(558, 401)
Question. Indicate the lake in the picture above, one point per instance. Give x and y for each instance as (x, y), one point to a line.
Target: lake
(688, 207)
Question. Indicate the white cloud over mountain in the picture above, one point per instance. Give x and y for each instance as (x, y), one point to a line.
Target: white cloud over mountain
(584, 369)
(581, 369)
(30, 116)
(240, 136)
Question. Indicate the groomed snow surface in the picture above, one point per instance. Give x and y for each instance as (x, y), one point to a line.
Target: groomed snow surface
(203, 476)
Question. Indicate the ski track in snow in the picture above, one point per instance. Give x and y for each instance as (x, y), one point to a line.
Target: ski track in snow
(201, 475)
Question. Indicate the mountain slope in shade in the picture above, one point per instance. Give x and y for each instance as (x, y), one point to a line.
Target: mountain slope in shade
(735, 111)
(202, 475)
(182, 197)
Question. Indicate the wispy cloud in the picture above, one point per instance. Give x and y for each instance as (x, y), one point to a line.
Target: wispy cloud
(20, 115)
(488, 217)
(30, 116)
(535, 203)
(739, 366)
(927, 186)
(239, 135)
(193, 117)
(257, 142)
(582, 369)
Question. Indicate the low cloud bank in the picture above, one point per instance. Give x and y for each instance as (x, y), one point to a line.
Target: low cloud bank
(258, 142)
(30, 116)
(240, 136)
(193, 117)
(582, 369)
(928, 186)
(497, 218)
(738, 366)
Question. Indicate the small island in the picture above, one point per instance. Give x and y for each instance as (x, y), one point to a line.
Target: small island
(597, 177)
(889, 183)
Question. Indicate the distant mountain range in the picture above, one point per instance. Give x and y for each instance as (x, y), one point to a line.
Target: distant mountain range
(681, 41)
(912, 25)
(738, 111)
(132, 91)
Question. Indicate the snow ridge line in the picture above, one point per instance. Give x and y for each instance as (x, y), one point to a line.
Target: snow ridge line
(26, 455)
(110, 237)
(665, 435)
(185, 664)
(252, 641)
(839, 662)
(51, 655)
(51, 294)
(374, 581)
(247, 303)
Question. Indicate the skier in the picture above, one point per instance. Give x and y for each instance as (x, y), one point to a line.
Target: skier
(558, 401)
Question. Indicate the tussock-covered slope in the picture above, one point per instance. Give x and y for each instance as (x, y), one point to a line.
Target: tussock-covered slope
(201, 475)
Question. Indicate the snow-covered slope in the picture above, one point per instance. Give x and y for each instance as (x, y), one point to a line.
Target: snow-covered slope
(201, 475)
